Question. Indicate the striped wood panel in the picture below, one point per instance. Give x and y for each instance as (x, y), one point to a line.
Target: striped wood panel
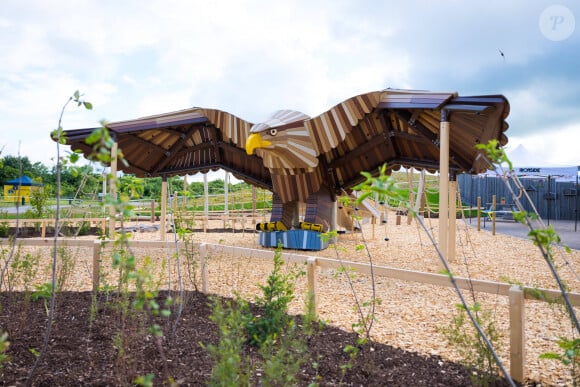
(298, 186)
(234, 129)
(330, 128)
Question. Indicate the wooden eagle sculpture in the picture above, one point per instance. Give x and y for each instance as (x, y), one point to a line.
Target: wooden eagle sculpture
(312, 160)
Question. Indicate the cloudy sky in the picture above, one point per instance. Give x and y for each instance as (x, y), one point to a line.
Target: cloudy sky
(250, 58)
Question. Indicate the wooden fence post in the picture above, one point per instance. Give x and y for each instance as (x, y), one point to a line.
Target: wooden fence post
(312, 287)
(203, 263)
(43, 229)
(96, 265)
(517, 333)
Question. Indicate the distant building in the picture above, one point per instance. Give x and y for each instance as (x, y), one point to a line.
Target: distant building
(20, 189)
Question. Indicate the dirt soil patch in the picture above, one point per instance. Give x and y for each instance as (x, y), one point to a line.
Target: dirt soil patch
(407, 347)
(82, 352)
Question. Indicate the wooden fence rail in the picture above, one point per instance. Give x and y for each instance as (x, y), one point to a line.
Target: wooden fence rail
(517, 294)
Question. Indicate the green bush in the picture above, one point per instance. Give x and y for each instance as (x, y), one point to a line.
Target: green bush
(4, 230)
(277, 295)
(470, 346)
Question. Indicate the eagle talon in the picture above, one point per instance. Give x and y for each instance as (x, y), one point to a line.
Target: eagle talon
(271, 226)
(310, 226)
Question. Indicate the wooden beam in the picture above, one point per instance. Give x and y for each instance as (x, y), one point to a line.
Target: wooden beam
(133, 138)
(361, 150)
(172, 153)
(214, 142)
(407, 119)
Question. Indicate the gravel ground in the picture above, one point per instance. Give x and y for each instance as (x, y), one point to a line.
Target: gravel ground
(411, 314)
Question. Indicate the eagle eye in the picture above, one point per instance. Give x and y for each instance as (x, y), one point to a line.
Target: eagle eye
(273, 132)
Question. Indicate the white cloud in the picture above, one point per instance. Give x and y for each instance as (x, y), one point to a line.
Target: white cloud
(251, 57)
(555, 146)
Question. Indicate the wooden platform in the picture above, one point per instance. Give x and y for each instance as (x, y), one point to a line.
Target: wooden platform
(292, 239)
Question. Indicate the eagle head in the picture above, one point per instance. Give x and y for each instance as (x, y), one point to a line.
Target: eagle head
(283, 141)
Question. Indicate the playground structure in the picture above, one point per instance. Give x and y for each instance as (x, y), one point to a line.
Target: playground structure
(303, 159)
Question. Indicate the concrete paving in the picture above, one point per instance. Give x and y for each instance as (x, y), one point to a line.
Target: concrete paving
(568, 230)
(13, 209)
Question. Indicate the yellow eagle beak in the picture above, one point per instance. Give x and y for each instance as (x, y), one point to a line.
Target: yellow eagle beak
(255, 141)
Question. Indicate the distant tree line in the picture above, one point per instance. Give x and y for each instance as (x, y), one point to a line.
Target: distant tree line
(86, 182)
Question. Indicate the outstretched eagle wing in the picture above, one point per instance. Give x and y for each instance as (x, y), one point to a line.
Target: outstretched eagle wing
(399, 128)
(182, 142)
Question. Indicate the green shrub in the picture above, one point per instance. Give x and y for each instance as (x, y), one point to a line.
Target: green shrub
(471, 347)
(229, 365)
(273, 304)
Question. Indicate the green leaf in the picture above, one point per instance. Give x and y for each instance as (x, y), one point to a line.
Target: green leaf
(88, 105)
(93, 138)
(74, 157)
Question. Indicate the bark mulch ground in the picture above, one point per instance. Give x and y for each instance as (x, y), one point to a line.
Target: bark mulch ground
(84, 349)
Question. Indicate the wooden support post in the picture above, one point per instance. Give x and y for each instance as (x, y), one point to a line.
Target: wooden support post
(412, 204)
(334, 218)
(443, 184)
(452, 220)
(96, 265)
(373, 222)
(152, 210)
(421, 195)
(226, 196)
(113, 191)
(479, 213)
(184, 207)
(43, 230)
(203, 265)
(517, 334)
(162, 222)
(205, 196)
(312, 285)
(254, 198)
(493, 207)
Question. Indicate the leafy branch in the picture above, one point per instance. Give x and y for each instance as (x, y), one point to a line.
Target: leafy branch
(385, 186)
(544, 238)
(58, 135)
